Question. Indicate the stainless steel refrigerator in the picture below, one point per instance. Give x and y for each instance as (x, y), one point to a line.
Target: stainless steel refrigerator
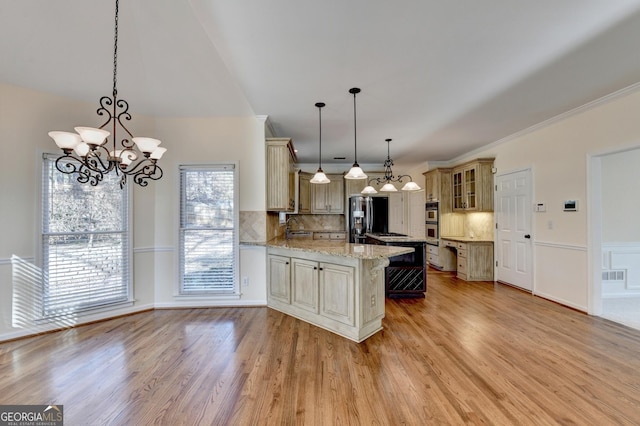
(367, 215)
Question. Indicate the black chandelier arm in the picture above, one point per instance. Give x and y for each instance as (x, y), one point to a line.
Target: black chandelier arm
(148, 172)
(70, 164)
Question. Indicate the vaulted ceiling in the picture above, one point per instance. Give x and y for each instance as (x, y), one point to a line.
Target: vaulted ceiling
(438, 77)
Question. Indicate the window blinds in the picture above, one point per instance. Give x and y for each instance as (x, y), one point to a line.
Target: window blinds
(85, 242)
(208, 255)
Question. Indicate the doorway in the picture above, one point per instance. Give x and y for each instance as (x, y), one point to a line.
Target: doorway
(615, 237)
(513, 229)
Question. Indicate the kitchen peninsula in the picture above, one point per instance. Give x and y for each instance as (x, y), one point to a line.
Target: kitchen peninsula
(334, 285)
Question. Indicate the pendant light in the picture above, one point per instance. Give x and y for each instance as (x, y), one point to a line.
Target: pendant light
(355, 172)
(320, 177)
(388, 178)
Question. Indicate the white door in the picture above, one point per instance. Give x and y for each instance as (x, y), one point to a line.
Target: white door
(513, 235)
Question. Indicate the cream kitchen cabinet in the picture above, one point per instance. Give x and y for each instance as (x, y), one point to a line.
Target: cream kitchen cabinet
(281, 179)
(336, 286)
(474, 259)
(304, 193)
(323, 288)
(280, 278)
(472, 186)
(328, 198)
(438, 188)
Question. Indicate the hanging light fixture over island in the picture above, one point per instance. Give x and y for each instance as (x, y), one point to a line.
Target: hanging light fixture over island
(355, 172)
(86, 154)
(320, 177)
(389, 178)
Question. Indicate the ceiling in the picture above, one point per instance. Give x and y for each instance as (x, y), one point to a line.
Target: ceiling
(440, 78)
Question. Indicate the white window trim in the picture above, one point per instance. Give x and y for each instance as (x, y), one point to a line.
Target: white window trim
(234, 294)
(40, 249)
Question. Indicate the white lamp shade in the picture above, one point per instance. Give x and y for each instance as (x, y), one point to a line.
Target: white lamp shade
(93, 136)
(369, 190)
(146, 145)
(319, 177)
(82, 149)
(411, 186)
(157, 153)
(65, 140)
(388, 187)
(355, 173)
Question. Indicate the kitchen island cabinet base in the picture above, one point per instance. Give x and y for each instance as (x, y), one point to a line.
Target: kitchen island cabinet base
(346, 298)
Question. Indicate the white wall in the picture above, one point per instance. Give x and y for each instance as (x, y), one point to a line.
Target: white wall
(25, 118)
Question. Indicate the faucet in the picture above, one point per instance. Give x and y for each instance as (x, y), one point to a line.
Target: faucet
(287, 230)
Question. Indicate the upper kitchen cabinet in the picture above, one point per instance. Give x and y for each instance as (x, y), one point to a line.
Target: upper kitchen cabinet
(304, 194)
(281, 176)
(472, 186)
(355, 186)
(328, 198)
(438, 188)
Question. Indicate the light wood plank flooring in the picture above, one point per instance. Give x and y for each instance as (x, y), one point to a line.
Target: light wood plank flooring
(470, 353)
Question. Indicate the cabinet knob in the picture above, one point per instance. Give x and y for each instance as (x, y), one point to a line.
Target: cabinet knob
(286, 263)
(315, 268)
(527, 236)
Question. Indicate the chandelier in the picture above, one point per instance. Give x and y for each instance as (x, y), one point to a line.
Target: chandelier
(86, 154)
(388, 178)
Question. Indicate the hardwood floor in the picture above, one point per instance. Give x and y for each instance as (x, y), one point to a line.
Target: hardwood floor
(474, 353)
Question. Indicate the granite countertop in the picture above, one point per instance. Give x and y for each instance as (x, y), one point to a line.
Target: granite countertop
(339, 248)
(397, 239)
(467, 239)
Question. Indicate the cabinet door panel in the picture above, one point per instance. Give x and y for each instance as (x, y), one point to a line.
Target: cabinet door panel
(304, 284)
(279, 278)
(337, 293)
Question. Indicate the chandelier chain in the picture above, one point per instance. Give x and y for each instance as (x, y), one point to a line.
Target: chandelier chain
(115, 52)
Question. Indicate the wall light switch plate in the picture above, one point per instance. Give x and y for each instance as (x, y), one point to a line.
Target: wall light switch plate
(541, 207)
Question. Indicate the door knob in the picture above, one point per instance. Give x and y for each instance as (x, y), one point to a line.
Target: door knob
(527, 236)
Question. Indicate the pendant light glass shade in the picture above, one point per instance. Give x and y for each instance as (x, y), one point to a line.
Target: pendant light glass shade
(355, 172)
(411, 186)
(369, 190)
(388, 187)
(320, 177)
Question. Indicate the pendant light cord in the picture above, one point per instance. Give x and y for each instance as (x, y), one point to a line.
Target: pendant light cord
(355, 90)
(320, 135)
(355, 127)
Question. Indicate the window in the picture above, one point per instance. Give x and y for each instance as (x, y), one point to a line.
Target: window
(85, 243)
(208, 222)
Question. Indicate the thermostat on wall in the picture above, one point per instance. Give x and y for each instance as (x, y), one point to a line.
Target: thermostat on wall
(571, 206)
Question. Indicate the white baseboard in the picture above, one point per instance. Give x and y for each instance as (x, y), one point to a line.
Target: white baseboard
(561, 301)
(53, 326)
(211, 304)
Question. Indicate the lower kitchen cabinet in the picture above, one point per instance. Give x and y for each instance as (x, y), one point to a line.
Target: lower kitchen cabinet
(474, 259)
(304, 284)
(280, 278)
(339, 293)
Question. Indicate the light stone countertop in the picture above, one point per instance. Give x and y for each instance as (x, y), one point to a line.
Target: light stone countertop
(466, 239)
(339, 248)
